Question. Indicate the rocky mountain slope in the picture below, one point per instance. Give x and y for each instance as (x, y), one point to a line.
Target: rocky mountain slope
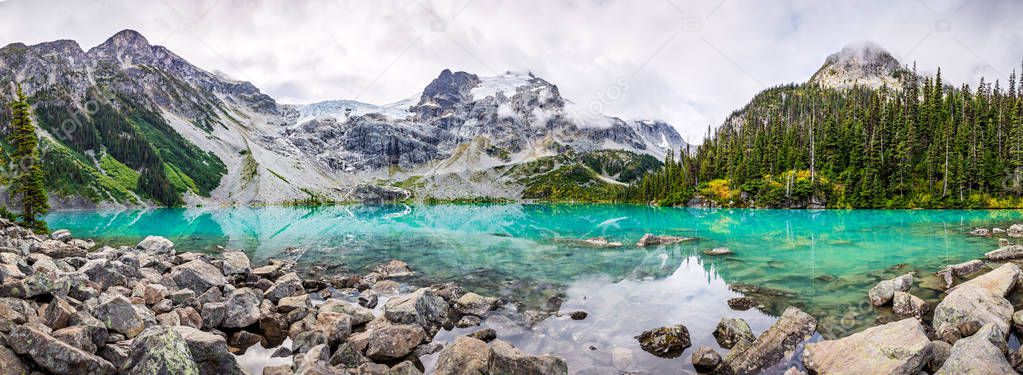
(866, 64)
(129, 123)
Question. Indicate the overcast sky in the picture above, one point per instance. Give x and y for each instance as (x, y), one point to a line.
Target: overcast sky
(688, 62)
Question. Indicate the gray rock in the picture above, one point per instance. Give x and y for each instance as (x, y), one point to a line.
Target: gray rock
(121, 316)
(475, 304)
(62, 235)
(485, 335)
(665, 342)
(76, 336)
(286, 286)
(905, 304)
(360, 315)
(718, 251)
(900, 347)
(978, 354)
(242, 308)
(287, 304)
(980, 300)
(236, 263)
(394, 341)
(58, 313)
(213, 314)
(706, 359)
(767, 350)
(197, 275)
(940, 351)
(334, 325)
(980, 232)
(950, 272)
(158, 351)
(1015, 230)
(404, 368)
(655, 240)
(1005, 253)
(240, 341)
(156, 245)
(347, 356)
(464, 357)
(732, 331)
(394, 268)
(421, 307)
(506, 359)
(884, 291)
(54, 355)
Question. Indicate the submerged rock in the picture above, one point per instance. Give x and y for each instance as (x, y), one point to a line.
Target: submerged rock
(718, 251)
(655, 240)
(743, 303)
(792, 327)
(981, 232)
(601, 242)
(665, 342)
(895, 348)
(884, 291)
(394, 268)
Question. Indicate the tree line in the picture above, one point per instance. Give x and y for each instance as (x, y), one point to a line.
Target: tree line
(925, 144)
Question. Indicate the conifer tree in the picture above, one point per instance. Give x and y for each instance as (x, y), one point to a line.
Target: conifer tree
(27, 182)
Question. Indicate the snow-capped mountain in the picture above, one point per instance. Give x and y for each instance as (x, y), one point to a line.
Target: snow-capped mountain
(150, 125)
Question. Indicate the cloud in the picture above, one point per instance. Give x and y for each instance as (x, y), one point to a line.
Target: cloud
(688, 62)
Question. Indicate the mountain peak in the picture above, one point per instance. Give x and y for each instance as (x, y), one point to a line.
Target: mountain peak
(860, 64)
(127, 39)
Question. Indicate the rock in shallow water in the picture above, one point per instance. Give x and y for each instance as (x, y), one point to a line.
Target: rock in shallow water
(655, 240)
(732, 331)
(666, 342)
(895, 348)
(884, 291)
(790, 329)
(705, 359)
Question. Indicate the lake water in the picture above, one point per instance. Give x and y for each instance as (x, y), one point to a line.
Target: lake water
(820, 261)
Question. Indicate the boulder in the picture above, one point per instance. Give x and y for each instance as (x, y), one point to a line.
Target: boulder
(733, 331)
(905, 304)
(394, 268)
(34, 285)
(940, 351)
(121, 316)
(156, 245)
(950, 272)
(979, 301)
(236, 263)
(287, 304)
(980, 232)
(485, 335)
(286, 286)
(665, 342)
(743, 303)
(394, 341)
(421, 307)
(1015, 230)
(767, 350)
(475, 304)
(76, 336)
(240, 341)
(347, 356)
(54, 355)
(506, 359)
(160, 350)
(58, 313)
(884, 291)
(209, 351)
(10, 363)
(900, 347)
(999, 281)
(274, 327)
(213, 314)
(242, 308)
(334, 325)
(978, 354)
(1005, 253)
(464, 357)
(62, 235)
(197, 275)
(655, 240)
(706, 359)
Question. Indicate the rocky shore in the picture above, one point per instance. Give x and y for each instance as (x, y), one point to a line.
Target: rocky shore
(67, 307)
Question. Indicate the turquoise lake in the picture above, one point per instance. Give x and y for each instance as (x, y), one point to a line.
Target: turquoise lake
(820, 261)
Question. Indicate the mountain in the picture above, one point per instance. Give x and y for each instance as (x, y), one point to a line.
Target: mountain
(866, 64)
(862, 133)
(130, 123)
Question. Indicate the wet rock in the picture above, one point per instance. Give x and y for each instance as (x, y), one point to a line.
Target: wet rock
(578, 315)
(1003, 242)
(718, 251)
(978, 354)
(905, 304)
(394, 268)
(732, 331)
(895, 348)
(209, 352)
(385, 287)
(705, 359)
(743, 303)
(475, 304)
(468, 321)
(242, 308)
(197, 275)
(666, 342)
(485, 335)
(950, 272)
(655, 240)
(601, 242)
(394, 341)
(420, 307)
(286, 286)
(980, 232)
(767, 350)
(156, 245)
(121, 316)
(884, 291)
(506, 359)
(54, 355)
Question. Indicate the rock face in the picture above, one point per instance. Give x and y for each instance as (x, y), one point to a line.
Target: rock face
(791, 328)
(895, 348)
(655, 240)
(884, 291)
(978, 354)
(865, 65)
(666, 342)
(980, 300)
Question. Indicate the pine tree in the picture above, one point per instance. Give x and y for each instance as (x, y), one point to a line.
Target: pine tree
(27, 181)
